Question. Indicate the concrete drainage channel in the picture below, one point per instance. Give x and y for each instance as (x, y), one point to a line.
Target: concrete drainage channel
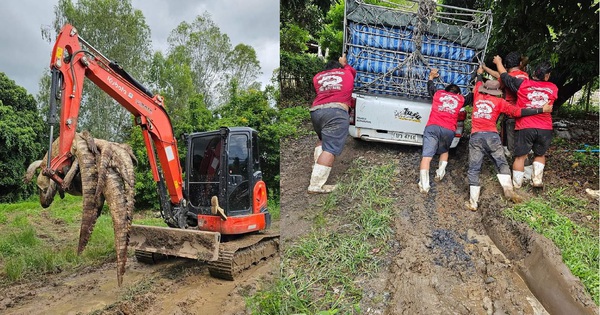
(539, 263)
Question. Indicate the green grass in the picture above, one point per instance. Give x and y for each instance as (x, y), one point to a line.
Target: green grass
(348, 239)
(36, 241)
(578, 245)
(149, 218)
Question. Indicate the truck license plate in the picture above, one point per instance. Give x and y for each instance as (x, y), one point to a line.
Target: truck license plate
(404, 136)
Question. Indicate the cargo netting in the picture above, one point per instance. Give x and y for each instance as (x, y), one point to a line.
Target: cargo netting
(394, 47)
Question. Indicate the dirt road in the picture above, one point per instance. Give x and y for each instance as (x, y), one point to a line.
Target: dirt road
(170, 286)
(445, 259)
(174, 286)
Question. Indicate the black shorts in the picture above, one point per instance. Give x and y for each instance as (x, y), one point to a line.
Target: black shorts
(538, 140)
(331, 126)
(436, 140)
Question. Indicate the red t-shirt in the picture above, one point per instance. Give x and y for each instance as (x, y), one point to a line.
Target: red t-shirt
(509, 95)
(487, 108)
(534, 94)
(334, 86)
(445, 108)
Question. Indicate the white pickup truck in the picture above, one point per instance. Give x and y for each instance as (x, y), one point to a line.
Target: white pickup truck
(393, 47)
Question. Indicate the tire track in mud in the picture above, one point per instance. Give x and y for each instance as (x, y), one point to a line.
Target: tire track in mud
(442, 267)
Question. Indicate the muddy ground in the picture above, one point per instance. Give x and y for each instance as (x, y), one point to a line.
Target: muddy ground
(173, 286)
(445, 259)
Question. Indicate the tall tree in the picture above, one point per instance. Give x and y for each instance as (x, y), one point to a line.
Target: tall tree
(207, 48)
(563, 32)
(121, 34)
(212, 60)
(172, 77)
(21, 135)
(300, 23)
(244, 67)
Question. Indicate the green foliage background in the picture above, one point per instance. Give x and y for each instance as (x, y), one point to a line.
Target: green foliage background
(21, 140)
(562, 32)
(206, 83)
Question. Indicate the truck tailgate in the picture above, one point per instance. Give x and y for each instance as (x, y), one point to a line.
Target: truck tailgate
(397, 120)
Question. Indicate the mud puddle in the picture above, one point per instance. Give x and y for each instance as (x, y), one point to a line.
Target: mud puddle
(174, 286)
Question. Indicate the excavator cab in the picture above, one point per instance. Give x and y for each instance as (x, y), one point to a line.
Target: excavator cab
(226, 164)
(222, 167)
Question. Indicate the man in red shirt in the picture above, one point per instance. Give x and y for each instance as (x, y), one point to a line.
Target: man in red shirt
(514, 63)
(487, 106)
(533, 133)
(440, 128)
(329, 116)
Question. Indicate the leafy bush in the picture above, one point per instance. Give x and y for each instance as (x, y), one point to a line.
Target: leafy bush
(21, 135)
(295, 78)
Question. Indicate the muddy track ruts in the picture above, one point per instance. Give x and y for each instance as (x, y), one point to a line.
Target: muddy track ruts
(443, 261)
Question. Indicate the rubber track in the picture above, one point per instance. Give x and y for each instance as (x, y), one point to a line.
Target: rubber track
(232, 262)
(144, 257)
(148, 257)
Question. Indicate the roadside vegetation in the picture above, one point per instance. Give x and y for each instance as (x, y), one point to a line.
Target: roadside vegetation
(348, 241)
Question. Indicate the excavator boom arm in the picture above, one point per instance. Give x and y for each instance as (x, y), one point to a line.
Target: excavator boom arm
(70, 64)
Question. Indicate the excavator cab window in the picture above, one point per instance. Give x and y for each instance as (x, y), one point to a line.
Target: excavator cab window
(222, 163)
(204, 170)
(239, 166)
(255, 153)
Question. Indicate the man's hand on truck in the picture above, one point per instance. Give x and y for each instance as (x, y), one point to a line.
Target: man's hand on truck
(480, 69)
(343, 61)
(433, 74)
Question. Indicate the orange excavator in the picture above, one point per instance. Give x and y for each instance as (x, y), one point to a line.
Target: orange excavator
(216, 210)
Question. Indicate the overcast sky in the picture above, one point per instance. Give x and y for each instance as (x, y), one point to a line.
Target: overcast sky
(24, 54)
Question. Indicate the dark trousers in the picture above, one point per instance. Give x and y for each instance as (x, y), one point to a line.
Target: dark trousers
(485, 144)
(508, 134)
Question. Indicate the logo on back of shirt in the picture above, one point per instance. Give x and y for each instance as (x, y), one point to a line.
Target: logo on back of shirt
(331, 81)
(449, 104)
(536, 98)
(483, 109)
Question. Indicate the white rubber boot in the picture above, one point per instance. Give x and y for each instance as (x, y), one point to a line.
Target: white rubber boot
(517, 179)
(507, 186)
(473, 198)
(317, 153)
(538, 173)
(441, 171)
(424, 181)
(318, 179)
